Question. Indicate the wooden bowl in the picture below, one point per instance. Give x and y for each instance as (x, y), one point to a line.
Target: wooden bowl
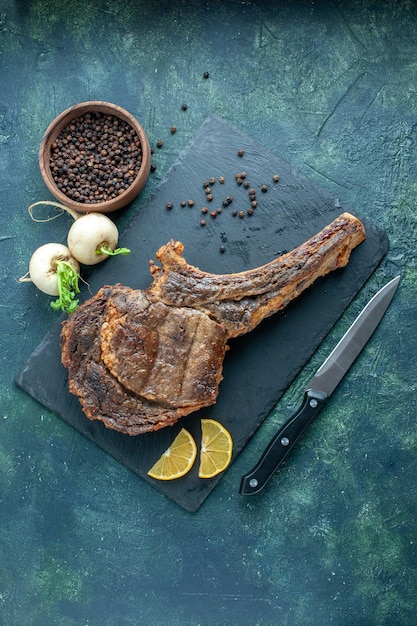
(48, 144)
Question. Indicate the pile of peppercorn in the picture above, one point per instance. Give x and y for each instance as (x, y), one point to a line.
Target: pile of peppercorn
(95, 158)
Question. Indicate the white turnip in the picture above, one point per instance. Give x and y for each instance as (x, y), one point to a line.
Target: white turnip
(54, 270)
(93, 238)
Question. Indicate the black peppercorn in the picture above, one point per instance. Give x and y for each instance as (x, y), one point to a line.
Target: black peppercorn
(204, 209)
(275, 178)
(184, 107)
(222, 249)
(240, 153)
(241, 214)
(183, 203)
(221, 180)
(202, 222)
(169, 206)
(173, 130)
(159, 143)
(206, 75)
(264, 188)
(190, 202)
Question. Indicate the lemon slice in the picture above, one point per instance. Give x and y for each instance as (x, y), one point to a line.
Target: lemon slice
(177, 460)
(216, 448)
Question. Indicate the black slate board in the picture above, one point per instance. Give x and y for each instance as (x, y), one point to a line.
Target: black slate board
(259, 366)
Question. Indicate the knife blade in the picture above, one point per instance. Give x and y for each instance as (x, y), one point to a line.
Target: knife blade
(319, 389)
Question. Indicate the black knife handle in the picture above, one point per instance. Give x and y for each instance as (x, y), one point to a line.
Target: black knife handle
(281, 444)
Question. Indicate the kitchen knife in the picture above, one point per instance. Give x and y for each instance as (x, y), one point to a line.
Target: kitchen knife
(319, 388)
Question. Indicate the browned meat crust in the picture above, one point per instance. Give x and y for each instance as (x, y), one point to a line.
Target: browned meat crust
(140, 360)
(101, 395)
(164, 354)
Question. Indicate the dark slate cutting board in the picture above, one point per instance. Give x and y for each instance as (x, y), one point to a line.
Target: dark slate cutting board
(259, 366)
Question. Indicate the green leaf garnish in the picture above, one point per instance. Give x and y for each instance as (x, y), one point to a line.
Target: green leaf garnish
(67, 286)
(104, 249)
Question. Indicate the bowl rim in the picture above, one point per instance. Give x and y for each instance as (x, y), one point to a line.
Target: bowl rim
(62, 120)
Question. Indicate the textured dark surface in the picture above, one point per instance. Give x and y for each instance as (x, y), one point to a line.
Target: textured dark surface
(259, 367)
(330, 87)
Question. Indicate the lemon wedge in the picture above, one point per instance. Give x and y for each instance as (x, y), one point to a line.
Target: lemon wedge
(216, 448)
(177, 460)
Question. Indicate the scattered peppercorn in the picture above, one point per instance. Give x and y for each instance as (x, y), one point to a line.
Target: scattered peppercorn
(169, 206)
(159, 143)
(222, 249)
(206, 75)
(241, 179)
(227, 201)
(173, 130)
(240, 153)
(95, 158)
(184, 107)
(183, 203)
(153, 167)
